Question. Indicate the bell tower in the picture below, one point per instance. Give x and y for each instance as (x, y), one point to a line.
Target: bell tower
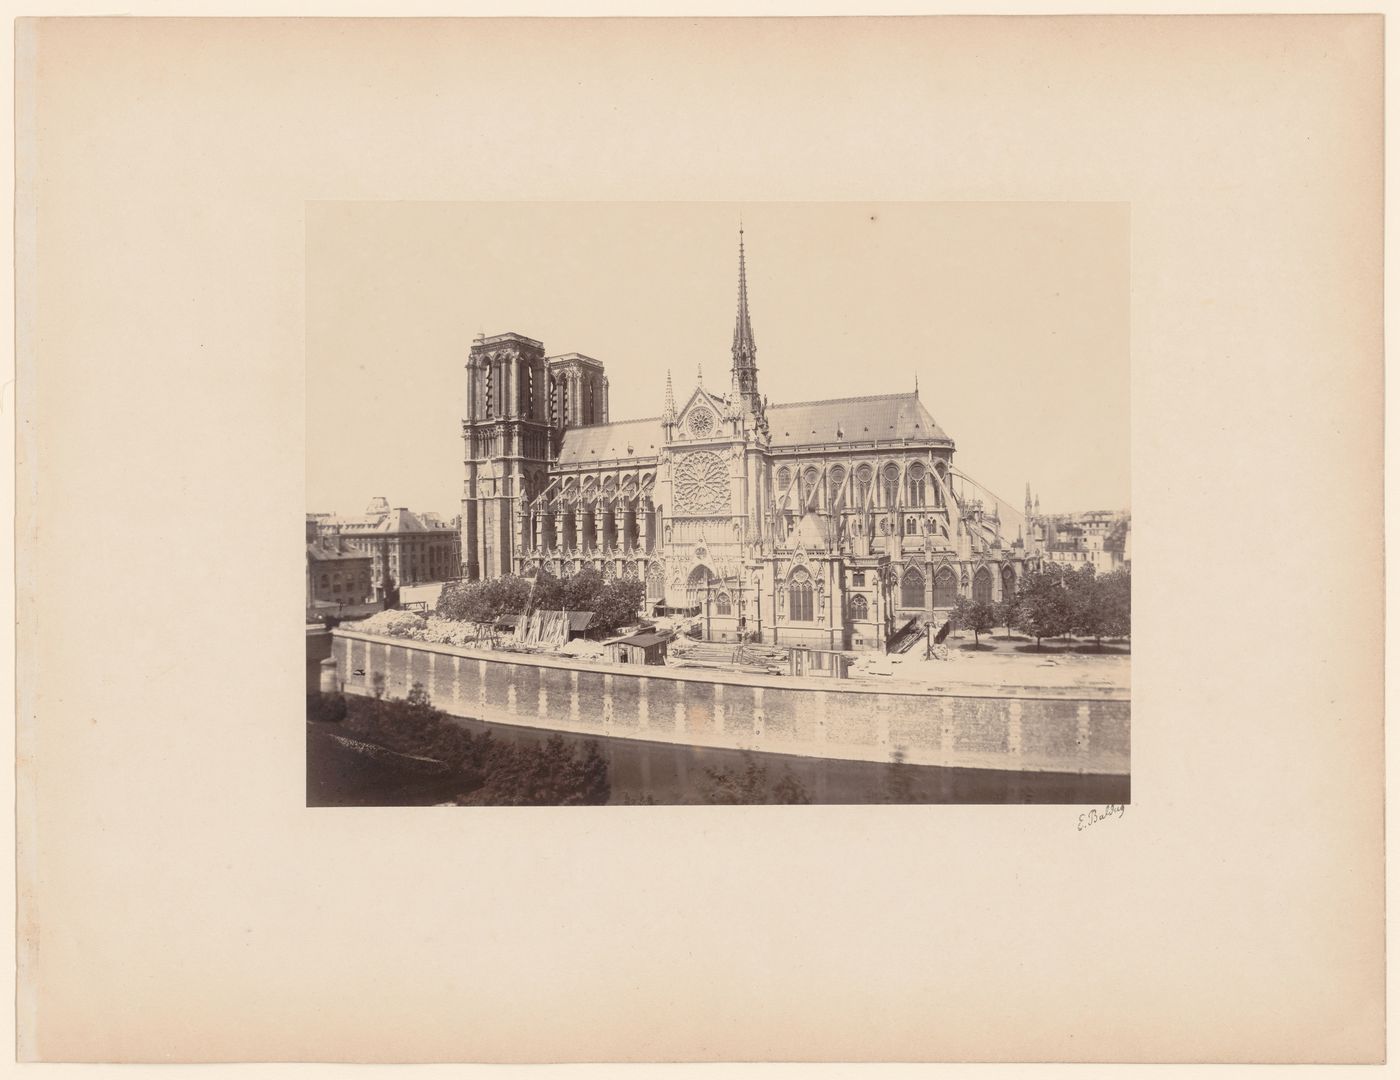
(509, 441)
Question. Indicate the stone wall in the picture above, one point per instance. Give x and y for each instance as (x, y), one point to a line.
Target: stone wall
(1086, 733)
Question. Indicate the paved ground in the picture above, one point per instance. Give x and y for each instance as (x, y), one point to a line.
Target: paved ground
(1001, 662)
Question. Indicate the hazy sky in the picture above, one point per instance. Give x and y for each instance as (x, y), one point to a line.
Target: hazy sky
(1013, 316)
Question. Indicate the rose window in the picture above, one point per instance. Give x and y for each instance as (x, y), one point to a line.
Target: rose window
(702, 483)
(702, 422)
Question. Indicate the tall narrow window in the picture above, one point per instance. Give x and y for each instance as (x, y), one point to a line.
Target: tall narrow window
(800, 597)
(860, 607)
(891, 486)
(982, 586)
(945, 588)
(916, 484)
(835, 480)
(911, 588)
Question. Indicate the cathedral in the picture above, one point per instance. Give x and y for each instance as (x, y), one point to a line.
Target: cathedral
(833, 524)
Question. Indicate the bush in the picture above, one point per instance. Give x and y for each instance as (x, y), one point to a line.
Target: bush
(614, 604)
(750, 786)
(325, 708)
(493, 773)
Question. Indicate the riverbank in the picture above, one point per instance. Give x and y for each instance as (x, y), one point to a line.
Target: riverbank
(341, 774)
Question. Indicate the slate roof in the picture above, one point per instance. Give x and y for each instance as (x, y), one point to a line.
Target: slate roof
(320, 552)
(855, 419)
(603, 441)
(401, 520)
(882, 417)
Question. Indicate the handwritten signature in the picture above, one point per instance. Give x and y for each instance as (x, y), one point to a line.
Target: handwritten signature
(1094, 816)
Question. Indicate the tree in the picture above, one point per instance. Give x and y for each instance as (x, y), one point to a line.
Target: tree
(750, 786)
(1006, 612)
(1044, 609)
(616, 605)
(977, 616)
(543, 774)
(1101, 605)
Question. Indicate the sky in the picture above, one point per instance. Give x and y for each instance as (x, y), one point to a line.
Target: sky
(1013, 318)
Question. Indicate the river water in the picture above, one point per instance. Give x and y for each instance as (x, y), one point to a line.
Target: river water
(342, 775)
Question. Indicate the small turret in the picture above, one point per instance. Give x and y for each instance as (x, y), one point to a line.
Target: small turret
(668, 412)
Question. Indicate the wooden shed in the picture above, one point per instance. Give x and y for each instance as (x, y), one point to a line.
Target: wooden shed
(647, 647)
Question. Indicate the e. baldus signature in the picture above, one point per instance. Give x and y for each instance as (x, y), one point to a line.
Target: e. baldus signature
(1094, 816)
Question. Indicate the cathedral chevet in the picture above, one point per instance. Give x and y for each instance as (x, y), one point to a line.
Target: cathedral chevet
(832, 524)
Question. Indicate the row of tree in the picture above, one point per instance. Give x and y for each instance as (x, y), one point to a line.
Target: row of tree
(1054, 602)
(615, 602)
(490, 771)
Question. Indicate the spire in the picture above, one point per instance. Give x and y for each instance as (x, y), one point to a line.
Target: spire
(700, 376)
(743, 329)
(916, 384)
(744, 349)
(668, 413)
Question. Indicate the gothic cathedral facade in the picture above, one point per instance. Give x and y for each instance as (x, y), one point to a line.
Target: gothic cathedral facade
(833, 524)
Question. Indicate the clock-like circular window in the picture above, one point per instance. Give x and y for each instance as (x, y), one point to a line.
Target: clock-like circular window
(702, 422)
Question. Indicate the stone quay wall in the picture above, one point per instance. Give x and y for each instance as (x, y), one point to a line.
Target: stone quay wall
(1083, 733)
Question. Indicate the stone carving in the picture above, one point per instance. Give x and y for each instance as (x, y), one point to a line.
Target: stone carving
(701, 483)
(701, 423)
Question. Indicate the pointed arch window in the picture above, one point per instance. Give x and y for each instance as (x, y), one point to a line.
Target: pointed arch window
(864, 474)
(836, 479)
(723, 605)
(916, 485)
(860, 608)
(891, 484)
(911, 588)
(800, 597)
(945, 588)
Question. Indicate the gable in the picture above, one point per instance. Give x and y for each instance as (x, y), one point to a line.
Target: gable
(701, 416)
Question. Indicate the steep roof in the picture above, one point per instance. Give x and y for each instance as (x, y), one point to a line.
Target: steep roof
(882, 417)
(322, 552)
(400, 519)
(600, 442)
(854, 419)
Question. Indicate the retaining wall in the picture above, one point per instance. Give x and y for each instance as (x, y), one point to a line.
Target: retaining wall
(1086, 733)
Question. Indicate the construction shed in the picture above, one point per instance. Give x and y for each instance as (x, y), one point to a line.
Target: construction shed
(647, 647)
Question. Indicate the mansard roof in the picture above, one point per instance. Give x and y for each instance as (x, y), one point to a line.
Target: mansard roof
(320, 551)
(601, 442)
(878, 417)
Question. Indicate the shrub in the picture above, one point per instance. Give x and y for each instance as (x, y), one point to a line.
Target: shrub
(493, 773)
(325, 708)
(750, 786)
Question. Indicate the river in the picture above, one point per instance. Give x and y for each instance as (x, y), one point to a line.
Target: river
(338, 774)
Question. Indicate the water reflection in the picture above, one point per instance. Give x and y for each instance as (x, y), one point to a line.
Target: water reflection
(341, 775)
